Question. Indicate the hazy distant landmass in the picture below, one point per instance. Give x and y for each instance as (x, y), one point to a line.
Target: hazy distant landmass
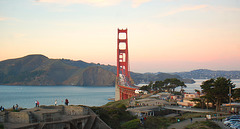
(40, 70)
(207, 74)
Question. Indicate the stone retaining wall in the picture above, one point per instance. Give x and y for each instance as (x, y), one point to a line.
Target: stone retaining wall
(18, 117)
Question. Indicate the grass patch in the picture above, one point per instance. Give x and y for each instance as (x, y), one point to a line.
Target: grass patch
(117, 103)
(203, 125)
(132, 124)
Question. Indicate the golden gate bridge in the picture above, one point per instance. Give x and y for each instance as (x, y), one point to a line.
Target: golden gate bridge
(124, 87)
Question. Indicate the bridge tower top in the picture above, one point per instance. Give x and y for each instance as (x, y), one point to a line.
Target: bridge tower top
(122, 55)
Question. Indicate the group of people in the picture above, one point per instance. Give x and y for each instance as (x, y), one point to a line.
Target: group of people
(15, 107)
(55, 103)
(37, 103)
(66, 102)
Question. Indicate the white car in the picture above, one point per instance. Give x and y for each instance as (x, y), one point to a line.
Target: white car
(230, 122)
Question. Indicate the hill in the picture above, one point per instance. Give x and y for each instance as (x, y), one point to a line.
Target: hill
(207, 74)
(40, 70)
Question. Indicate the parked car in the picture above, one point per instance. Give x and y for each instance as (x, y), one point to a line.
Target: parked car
(230, 122)
(233, 117)
(235, 125)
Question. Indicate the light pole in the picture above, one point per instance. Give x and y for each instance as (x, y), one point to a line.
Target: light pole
(230, 98)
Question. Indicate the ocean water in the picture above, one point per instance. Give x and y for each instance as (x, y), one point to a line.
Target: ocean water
(191, 87)
(25, 96)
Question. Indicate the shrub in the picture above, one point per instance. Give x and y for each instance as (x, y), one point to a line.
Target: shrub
(156, 122)
(203, 125)
(1, 126)
(132, 124)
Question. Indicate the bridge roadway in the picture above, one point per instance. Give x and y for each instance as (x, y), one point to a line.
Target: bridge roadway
(124, 92)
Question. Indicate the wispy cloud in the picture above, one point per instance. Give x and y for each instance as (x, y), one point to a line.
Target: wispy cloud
(4, 18)
(19, 35)
(183, 9)
(136, 3)
(98, 3)
(224, 9)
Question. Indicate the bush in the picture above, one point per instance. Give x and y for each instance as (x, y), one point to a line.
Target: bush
(156, 122)
(1, 126)
(132, 124)
(121, 106)
(203, 125)
(113, 116)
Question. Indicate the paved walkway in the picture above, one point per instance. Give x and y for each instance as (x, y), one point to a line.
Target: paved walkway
(222, 125)
(184, 123)
(187, 109)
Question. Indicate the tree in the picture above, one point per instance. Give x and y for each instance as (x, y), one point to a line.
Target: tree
(158, 86)
(146, 88)
(216, 90)
(236, 94)
(172, 83)
(168, 84)
(200, 102)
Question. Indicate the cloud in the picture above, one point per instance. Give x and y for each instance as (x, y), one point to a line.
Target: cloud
(183, 9)
(19, 35)
(224, 9)
(98, 3)
(136, 3)
(3, 18)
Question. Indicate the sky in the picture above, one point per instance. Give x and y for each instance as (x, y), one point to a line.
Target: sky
(163, 35)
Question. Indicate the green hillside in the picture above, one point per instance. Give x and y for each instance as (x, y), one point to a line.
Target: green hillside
(40, 70)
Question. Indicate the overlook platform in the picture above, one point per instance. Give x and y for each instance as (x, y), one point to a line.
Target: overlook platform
(53, 117)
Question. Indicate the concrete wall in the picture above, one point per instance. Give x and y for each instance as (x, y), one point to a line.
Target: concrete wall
(18, 117)
(99, 124)
(43, 116)
(53, 117)
(2, 117)
(75, 110)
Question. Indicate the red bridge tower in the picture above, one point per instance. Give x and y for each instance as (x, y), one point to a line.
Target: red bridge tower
(123, 88)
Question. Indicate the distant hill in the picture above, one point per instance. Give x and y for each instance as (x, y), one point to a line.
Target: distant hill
(207, 74)
(40, 70)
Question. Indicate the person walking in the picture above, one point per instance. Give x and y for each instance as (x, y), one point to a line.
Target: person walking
(191, 119)
(36, 103)
(16, 107)
(66, 102)
(56, 102)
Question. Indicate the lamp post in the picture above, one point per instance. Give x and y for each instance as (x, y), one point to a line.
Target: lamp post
(230, 98)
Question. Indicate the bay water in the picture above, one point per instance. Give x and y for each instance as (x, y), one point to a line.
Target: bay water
(25, 96)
